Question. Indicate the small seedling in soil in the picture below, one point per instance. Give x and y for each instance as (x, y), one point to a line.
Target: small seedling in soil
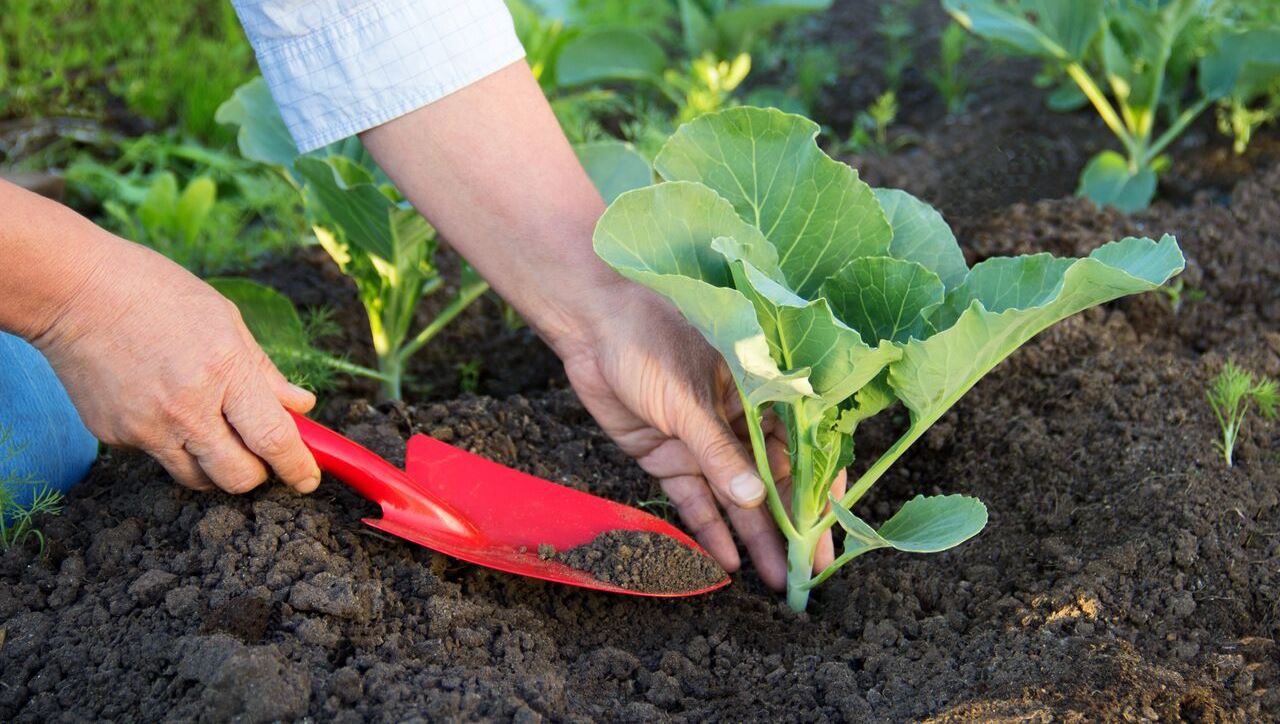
(17, 516)
(948, 78)
(1178, 292)
(870, 133)
(469, 376)
(1231, 394)
(831, 301)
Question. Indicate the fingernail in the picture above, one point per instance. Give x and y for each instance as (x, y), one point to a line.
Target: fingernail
(312, 483)
(299, 390)
(746, 489)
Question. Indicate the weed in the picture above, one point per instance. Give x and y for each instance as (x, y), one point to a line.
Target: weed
(18, 519)
(1231, 395)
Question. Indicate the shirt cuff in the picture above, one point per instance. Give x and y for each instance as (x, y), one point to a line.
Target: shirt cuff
(374, 61)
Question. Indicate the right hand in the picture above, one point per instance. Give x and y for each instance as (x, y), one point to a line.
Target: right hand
(155, 359)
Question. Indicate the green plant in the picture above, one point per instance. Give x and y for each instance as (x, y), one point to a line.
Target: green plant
(706, 86)
(949, 78)
(1133, 60)
(1231, 394)
(469, 375)
(208, 210)
(870, 132)
(830, 301)
(1178, 292)
(376, 238)
(18, 516)
(288, 339)
(730, 27)
(896, 30)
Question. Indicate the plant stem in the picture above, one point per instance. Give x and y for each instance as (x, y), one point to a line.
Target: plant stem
(1104, 108)
(799, 571)
(779, 511)
(466, 295)
(1175, 130)
(391, 372)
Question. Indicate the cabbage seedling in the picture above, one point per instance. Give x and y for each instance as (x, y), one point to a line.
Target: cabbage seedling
(1231, 394)
(831, 301)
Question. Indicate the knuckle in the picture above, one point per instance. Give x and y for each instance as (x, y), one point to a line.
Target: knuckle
(275, 439)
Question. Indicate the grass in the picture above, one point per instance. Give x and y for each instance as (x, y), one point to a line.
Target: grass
(169, 63)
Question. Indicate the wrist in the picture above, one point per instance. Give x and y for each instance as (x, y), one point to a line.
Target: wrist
(47, 265)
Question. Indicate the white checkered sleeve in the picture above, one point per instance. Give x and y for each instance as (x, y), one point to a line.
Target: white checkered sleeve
(339, 67)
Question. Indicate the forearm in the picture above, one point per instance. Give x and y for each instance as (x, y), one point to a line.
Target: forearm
(47, 252)
(491, 169)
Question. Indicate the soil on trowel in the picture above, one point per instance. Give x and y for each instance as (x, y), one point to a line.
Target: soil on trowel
(645, 562)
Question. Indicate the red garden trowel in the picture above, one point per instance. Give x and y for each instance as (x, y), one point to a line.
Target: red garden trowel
(465, 506)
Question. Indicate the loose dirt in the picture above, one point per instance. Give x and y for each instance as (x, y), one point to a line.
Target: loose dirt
(645, 562)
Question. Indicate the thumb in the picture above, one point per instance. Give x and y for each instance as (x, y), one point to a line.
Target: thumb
(725, 463)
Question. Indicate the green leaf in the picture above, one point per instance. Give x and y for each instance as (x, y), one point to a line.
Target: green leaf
(922, 525)
(614, 167)
(157, 208)
(859, 536)
(262, 136)
(193, 207)
(610, 54)
(804, 334)
(921, 235)
(814, 209)
(885, 298)
(934, 373)
(364, 214)
(1061, 29)
(661, 236)
(935, 523)
(270, 316)
(1004, 23)
(1108, 180)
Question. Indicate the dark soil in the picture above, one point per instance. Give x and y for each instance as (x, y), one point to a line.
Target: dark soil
(1125, 574)
(643, 561)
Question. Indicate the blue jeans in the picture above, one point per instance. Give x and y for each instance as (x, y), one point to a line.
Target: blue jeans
(43, 443)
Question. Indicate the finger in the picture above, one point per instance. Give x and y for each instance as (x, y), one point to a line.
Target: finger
(722, 459)
(268, 431)
(669, 459)
(764, 543)
(225, 459)
(701, 516)
(290, 395)
(183, 468)
(826, 552)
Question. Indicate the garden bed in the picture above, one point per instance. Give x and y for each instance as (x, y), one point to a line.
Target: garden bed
(1126, 573)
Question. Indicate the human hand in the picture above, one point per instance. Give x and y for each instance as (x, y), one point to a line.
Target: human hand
(668, 400)
(155, 359)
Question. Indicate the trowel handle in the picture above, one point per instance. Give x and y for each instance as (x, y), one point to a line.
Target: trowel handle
(379, 480)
